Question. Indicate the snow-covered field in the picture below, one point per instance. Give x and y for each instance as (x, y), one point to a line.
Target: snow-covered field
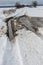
(26, 48)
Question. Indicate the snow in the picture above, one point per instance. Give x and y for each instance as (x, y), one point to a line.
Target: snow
(31, 48)
(34, 12)
(31, 12)
(3, 42)
(27, 47)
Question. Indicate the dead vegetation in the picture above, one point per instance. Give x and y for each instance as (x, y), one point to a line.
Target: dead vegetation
(8, 12)
(19, 23)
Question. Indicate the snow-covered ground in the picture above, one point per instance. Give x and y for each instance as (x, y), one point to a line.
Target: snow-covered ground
(25, 49)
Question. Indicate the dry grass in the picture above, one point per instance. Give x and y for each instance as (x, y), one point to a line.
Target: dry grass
(8, 12)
